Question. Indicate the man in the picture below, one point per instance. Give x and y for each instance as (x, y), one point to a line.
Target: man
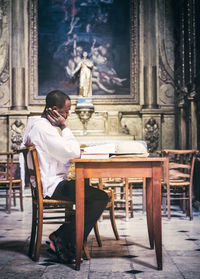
(55, 148)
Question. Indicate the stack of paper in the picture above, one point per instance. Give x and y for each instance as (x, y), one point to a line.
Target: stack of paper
(132, 149)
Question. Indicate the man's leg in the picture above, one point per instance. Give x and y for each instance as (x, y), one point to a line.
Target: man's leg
(95, 202)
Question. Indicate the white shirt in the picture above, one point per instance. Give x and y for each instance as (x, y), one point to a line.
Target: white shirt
(54, 151)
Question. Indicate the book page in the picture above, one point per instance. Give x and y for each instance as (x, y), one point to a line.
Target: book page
(94, 156)
(100, 149)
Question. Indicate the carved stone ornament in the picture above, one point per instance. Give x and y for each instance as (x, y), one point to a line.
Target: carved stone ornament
(17, 129)
(84, 115)
(166, 76)
(4, 54)
(125, 130)
(152, 134)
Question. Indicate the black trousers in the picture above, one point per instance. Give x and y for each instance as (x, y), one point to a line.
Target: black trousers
(95, 202)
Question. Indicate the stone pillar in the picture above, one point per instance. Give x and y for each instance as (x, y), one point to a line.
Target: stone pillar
(182, 135)
(150, 55)
(193, 124)
(18, 57)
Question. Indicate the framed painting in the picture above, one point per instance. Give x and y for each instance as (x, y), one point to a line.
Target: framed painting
(106, 30)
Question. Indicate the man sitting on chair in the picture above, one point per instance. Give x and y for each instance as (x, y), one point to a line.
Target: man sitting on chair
(55, 148)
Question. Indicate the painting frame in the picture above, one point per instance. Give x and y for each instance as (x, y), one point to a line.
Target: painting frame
(133, 95)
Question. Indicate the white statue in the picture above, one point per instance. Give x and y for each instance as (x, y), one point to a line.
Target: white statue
(84, 68)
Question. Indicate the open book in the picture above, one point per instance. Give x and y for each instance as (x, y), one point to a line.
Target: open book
(100, 151)
(118, 149)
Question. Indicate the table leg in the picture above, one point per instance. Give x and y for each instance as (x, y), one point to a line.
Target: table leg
(149, 210)
(79, 215)
(157, 228)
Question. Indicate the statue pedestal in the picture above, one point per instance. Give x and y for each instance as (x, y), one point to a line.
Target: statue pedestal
(84, 109)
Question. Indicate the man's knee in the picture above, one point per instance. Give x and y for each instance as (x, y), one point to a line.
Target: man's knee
(96, 194)
(102, 196)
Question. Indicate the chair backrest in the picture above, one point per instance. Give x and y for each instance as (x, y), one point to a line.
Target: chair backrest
(180, 164)
(33, 170)
(6, 166)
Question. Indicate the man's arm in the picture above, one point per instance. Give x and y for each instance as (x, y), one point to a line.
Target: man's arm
(61, 147)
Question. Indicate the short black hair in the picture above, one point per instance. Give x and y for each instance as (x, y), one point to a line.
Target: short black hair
(56, 98)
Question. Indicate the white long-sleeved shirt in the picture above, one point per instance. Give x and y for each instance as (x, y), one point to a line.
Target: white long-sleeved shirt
(54, 151)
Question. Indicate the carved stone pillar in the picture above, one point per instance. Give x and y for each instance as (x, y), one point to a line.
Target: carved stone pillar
(18, 59)
(150, 55)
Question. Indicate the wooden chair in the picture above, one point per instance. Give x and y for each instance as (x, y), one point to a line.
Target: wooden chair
(44, 211)
(9, 184)
(178, 179)
(122, 191)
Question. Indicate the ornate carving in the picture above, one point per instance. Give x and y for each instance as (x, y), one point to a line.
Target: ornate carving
(151, 134)
(4, 54)
(17, 129)
(33, 57)
(166, 72)
(125, 130)
(166, 76)
(134, 53)
(84, 115)
(4, 74)
(185, 50)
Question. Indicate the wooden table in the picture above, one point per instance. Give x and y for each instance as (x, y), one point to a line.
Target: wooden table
(149, 168)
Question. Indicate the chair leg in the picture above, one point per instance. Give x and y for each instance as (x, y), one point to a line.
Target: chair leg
(187, 207)
(184, 204)
(168, 202)
(21, 198)
(14, 197)
(6, 199)
(97, 235)
(190, 203)
(33, 231)
(112, 218)
(131, 199)
(126, 199)
(9, 198)
(39, 235)
(86, 250)
(164, 202)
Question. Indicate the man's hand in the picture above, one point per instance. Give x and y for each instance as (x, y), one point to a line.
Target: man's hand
(55, 118)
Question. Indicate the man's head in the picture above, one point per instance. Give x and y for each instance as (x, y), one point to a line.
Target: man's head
(56, 98)
(59, 101)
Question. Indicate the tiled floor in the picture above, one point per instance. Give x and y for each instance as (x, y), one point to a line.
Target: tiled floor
(130, 257)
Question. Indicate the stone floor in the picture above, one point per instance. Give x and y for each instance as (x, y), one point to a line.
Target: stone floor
(129, 257)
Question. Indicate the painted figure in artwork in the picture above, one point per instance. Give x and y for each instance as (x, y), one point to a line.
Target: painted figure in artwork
(84, 68)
